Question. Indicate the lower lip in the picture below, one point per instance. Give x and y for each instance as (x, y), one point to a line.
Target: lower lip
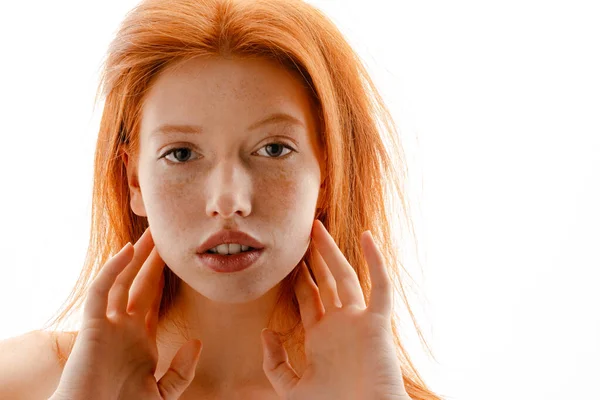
(232, 263)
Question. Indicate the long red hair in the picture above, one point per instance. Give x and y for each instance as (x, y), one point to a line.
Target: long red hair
(365, 164)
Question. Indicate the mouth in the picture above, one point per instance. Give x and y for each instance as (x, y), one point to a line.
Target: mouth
(230, 262)
(232, 242)
(230, 250)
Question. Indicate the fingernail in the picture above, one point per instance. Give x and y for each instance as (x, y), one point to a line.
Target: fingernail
(271, 338)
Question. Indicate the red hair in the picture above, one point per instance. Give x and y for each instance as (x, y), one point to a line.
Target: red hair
(364, 160)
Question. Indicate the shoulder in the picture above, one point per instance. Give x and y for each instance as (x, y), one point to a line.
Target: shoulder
(31, 365)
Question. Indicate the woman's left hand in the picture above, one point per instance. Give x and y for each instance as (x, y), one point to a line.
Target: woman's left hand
(349, 347)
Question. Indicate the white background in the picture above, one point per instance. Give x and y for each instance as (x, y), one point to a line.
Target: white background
(498, 104)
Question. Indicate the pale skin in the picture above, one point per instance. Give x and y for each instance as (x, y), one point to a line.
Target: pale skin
(118, 336)
(230, 179)
(233, 184)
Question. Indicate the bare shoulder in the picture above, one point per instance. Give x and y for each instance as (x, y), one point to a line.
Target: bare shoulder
(30, 366)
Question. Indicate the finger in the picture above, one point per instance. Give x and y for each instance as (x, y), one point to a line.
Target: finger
(118, 297)
(307, 292)
(153, 312)
(348, 286)
(276, 365)
(97, 301)
(145, 285)
(381, 301)
(181, 372)
(326, 282)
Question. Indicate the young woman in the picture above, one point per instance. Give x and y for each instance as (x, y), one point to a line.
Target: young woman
(245, 152)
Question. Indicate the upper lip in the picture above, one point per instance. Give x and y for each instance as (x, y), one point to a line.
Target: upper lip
(229, 236)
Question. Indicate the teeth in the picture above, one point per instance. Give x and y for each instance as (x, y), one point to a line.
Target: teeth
(232, 248)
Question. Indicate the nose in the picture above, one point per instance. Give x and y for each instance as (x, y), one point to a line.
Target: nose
(228, 191)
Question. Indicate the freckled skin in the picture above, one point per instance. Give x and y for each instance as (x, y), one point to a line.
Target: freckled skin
(227, 177)
(224, 182)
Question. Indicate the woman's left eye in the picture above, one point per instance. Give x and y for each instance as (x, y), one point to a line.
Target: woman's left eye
(277, 148)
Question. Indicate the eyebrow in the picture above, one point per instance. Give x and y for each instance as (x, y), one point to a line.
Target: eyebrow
(276, 118)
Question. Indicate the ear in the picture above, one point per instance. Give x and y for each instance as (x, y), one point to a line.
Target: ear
(137, 202)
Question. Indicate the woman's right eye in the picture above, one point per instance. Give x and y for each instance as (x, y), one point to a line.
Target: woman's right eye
(179, 153)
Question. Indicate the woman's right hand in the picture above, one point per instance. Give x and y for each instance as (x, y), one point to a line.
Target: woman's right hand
(115, 354)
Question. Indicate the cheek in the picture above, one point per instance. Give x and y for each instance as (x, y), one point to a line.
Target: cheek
(277, 192)
(165, 198)
(284, 192)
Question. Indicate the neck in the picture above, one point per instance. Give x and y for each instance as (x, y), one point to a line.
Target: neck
(232, 353)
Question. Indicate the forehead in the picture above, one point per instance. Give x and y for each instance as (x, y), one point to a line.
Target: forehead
(216, 91)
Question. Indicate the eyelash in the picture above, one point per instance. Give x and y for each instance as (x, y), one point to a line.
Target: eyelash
(171, 151)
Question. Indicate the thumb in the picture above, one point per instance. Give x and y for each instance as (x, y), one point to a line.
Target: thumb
(276, 364)
(181, 371)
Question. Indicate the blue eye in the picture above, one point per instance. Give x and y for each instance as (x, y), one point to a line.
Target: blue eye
(277, 148)
(175, 151)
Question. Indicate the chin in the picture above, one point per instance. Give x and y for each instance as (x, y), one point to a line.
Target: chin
(228, 296)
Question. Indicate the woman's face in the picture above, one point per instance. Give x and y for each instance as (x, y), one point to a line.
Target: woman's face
(231, 174)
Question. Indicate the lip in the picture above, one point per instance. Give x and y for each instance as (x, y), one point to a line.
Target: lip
(228, 236)
(228, 264)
